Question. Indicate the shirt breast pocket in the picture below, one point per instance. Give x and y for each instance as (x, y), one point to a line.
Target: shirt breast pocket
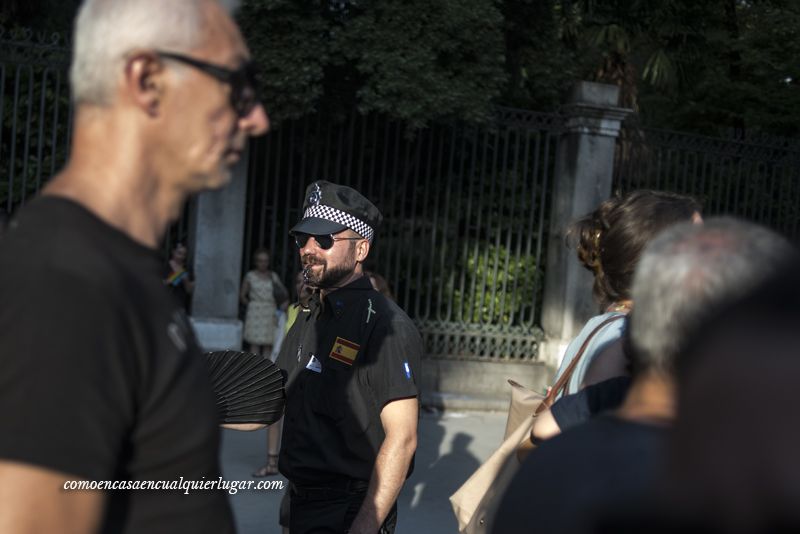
(328, 395)
(339, 398)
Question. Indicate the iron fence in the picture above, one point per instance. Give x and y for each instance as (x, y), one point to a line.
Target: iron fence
(465, 206)
(36, 118)
(756, 178)
(465, 210)
(36, 113)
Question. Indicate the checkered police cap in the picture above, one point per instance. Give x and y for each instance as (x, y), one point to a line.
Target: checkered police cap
(331, 208)
(340, 217)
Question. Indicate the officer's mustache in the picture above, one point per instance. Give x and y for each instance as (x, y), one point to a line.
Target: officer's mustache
(328, 279)
(308, 260)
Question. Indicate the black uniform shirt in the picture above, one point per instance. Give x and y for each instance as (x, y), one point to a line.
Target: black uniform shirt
(347, 357)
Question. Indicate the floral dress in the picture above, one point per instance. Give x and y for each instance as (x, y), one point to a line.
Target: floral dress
(260, 320)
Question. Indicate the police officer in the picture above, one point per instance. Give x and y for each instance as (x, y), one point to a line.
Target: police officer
(350, 428)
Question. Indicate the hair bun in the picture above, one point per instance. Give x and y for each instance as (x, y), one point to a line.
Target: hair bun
(610, 239)
(586, 236)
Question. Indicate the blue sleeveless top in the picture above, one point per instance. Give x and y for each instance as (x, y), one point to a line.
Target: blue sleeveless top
(607, 335)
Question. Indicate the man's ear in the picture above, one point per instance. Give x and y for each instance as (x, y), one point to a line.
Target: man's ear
(362, 250)
(145, 81)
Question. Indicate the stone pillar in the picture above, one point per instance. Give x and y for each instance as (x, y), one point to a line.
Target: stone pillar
(583, 175)
(216, 236)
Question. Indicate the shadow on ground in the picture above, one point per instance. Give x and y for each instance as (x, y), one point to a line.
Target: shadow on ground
(451, 446)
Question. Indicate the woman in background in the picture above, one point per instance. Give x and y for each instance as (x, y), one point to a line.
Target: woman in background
(262, 293)
(178, 277)
(380, 284)
(609, 242)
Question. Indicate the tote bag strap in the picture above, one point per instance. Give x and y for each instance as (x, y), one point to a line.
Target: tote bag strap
(564, 378)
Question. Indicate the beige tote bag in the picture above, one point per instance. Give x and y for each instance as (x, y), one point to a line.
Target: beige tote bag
(478, 498)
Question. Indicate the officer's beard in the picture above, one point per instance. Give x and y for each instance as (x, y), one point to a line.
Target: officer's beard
(328, 277)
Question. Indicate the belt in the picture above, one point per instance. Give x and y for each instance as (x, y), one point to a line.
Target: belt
(325, 489)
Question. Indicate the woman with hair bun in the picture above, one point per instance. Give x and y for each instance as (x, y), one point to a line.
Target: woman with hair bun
(609, 242)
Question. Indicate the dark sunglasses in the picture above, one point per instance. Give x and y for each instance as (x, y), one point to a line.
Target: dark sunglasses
(244, 86)
(324, 241)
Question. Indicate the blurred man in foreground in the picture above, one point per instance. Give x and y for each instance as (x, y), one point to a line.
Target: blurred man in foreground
(100, 375)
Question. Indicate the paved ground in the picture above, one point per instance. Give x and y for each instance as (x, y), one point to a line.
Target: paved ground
(451, 447)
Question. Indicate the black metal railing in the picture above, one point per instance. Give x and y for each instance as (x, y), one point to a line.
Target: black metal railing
(465, 212)
(755, 178)
(466, 207)
(36, 113)
(36, 118)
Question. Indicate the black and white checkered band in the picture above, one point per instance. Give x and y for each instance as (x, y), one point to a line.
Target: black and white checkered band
(332, 214)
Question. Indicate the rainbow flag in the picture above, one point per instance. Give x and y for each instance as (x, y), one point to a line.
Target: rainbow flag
(175, 277)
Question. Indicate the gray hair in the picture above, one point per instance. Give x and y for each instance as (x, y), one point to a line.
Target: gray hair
(689, 272)
(107, 30)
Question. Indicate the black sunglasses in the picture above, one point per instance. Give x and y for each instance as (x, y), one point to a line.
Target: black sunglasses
(324, 241)
(244, 86)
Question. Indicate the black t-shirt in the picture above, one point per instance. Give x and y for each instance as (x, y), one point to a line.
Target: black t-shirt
(576, 477)
(346, 360)
(100, 375)
(573, 410)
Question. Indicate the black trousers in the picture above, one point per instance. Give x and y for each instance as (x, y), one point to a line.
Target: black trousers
(330, 509)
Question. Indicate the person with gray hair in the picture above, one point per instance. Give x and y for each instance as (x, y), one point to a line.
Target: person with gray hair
(102, 384)
(732, 463)
(686, 274)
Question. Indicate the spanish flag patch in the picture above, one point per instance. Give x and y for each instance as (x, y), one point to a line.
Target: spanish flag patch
(344, 351)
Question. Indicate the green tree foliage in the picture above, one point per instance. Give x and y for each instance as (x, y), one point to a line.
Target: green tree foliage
(540, 65)
(499, 285)
(683, 64)
(746, 76)
(414, 60)
(700, 66)
(288, 40)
